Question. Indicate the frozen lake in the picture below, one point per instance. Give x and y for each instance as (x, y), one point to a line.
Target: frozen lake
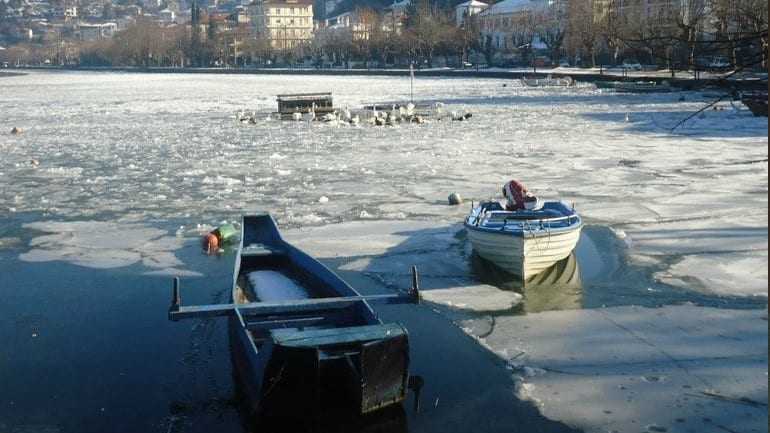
(129, 169)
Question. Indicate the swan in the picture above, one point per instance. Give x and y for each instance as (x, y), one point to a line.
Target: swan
(311, 113)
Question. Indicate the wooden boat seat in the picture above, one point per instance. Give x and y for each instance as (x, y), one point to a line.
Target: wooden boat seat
(295, 337)
(261, 250)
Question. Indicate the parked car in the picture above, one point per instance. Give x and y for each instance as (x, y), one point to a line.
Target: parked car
(632, 64)
(467, 65)
(542, 61)
(564, 63)
(5, 64)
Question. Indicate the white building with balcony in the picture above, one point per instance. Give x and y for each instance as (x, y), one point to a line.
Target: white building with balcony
(285, 23)
(467, 9)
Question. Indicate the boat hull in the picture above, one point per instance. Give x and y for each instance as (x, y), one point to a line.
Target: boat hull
(522, 255)
(524, 242)
(302, 359)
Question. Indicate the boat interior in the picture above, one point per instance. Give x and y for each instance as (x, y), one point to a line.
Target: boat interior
(270, 275)
(492, 214)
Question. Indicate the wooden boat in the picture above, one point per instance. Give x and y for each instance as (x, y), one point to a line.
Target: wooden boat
(548, 82)
(525, 242)
(756, 101)
(291, 105)
(301, 336)
(635, 86)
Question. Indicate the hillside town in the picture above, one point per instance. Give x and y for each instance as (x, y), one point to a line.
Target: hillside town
(659, 34)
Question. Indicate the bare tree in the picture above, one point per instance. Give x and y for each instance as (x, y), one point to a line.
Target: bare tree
(427, 27)
(612, 25)
(655, 34)
(583, 36)
(551, 28)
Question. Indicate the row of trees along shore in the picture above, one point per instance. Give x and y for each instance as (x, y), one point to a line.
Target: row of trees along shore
(674, 37)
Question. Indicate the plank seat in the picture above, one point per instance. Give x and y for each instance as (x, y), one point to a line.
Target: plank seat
(295, 337)
(261, 250)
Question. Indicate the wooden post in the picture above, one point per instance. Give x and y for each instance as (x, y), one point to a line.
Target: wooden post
(414, 292)
(176, 298)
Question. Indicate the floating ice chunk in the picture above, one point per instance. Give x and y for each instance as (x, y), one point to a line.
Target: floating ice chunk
(310, 218)
(102, 245)
(66, 172)
(478, 298)
(323, 199)
(531, 371)
(732, 274)
(221, 180)
(174, 272)
(528, 391)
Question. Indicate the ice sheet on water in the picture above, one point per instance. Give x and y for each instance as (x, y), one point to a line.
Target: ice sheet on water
(480, 298)
(162, 146)
(614, 369)
(728, 273)
(103, 245)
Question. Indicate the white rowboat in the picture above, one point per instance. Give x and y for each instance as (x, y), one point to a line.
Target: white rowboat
(525, 242)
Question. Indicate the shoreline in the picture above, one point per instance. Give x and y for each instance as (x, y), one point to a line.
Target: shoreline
(4, 74)
(494, 73)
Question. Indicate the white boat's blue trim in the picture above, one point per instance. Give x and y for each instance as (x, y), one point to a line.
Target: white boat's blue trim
(554, 217)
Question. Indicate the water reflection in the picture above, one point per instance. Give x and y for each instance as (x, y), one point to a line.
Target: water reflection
(559, 287)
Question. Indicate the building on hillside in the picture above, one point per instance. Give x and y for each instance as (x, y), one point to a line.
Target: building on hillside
(23, 33)
(285, 23)
(240, 16)
(95, 32)
(125, 22)
(70, 12)
(167, 16)
(329, 8)
(395, 15)
(359, 26)
(217, 23)
(660, 12)
(467, 9)
(131, 10)
(509, 24)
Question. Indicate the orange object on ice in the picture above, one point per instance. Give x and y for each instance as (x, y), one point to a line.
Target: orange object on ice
(211, 243)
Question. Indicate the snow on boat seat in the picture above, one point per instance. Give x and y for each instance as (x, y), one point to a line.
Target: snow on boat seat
(260, 250)
(272, 286)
